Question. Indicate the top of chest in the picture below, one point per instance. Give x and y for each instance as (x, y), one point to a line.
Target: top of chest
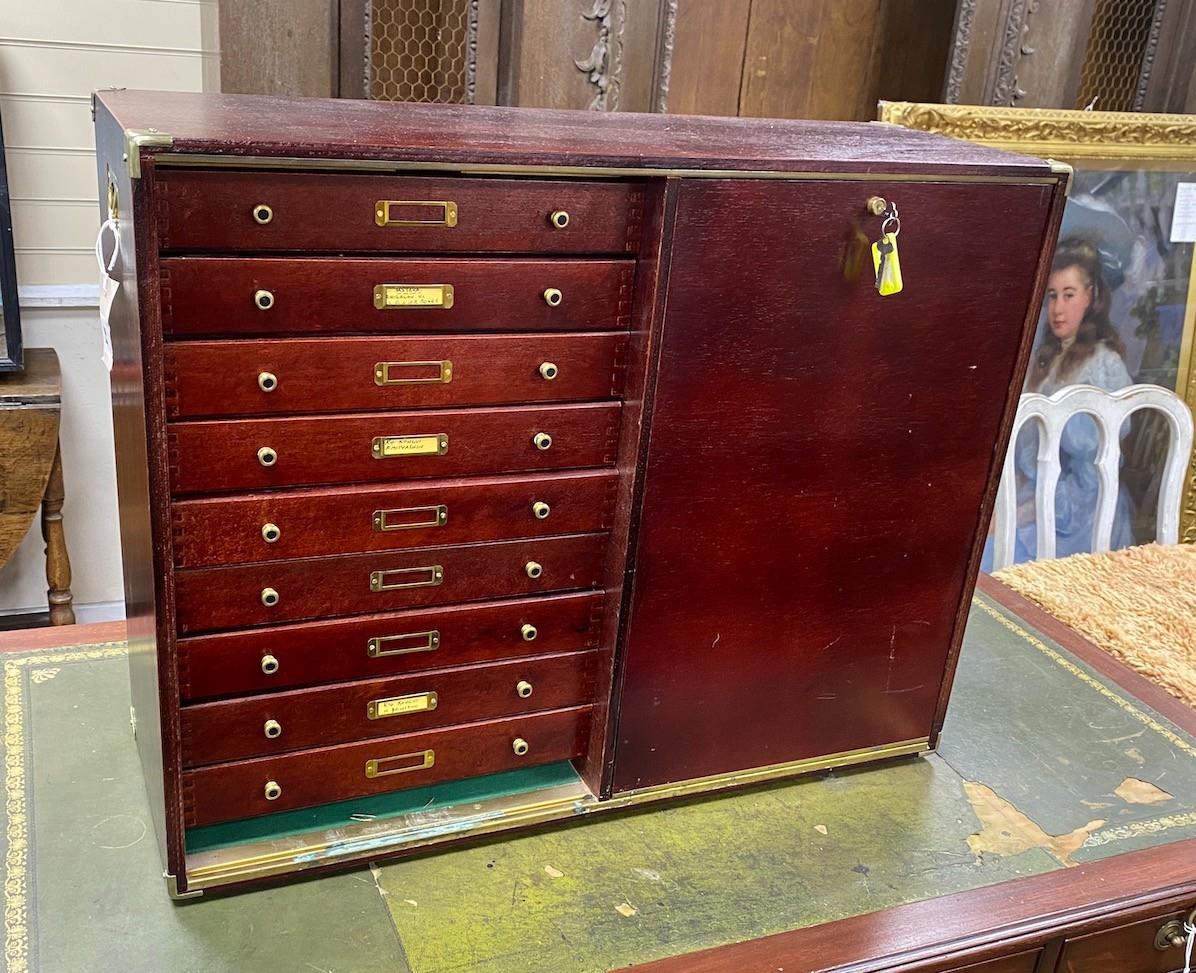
(315, 132)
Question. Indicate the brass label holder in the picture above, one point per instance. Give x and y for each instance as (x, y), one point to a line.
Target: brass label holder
(402, 763)
(403, 644)
(383, 373)
(379, 709)
(398, 579)
(389, 297)
(447, 215)
(410, 518)
(434, 444)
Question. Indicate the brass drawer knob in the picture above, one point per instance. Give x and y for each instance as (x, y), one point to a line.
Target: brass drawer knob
(534, 569)
(267, 456)
(269, 665)
(542, 440)
(523, 688)
(529, 633)
(267, 381)
(272, 790)
(548, 370)
(877, 205)
(263, 300)
(519, 745)
(272, 729)
(269, 597)
(559, 219)
(552, 297)
(541, 510)
(271, 533)
(262, 213)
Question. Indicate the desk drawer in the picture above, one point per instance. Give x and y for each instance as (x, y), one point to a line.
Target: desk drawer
(279, 591)
(370, 646)
(1124, 949)
(226, 792)
(309, 523)
(297, 375)
(268, 296)
(217, 455)
(325, 211)
(239, 728)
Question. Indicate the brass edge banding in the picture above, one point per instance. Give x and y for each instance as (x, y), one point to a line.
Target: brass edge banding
(136, 139)
(1067, 170)
(172, 889)
(324, 852)
(181, 160)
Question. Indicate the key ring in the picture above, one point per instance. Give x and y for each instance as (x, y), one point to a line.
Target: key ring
(891, 218)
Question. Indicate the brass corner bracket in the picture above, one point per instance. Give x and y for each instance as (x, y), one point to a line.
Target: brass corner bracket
(136, 139)
(172, 889)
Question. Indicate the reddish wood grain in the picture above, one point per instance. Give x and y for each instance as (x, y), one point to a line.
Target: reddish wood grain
(209, 599)
(337, 650)
(215, 296)
(237, 125)
(214, 455)
(308, 523)
(221, 378)
(811, 496)
(225, 792)
(234, 729)
(211, 211)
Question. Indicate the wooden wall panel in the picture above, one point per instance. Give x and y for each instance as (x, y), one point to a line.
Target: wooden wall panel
(706, 60)
(597, 54)
(279, 47)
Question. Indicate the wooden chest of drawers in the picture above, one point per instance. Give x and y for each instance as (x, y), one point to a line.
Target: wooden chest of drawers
(523, 464)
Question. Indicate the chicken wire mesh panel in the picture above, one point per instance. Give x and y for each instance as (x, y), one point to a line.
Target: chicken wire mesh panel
(1117, 47)
(421, 50)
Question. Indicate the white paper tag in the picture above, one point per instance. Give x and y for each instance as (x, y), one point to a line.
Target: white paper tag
(109, 285)
(1183, 221)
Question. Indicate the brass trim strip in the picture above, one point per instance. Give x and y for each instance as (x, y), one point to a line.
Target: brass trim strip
(198, 160)
(505, 813)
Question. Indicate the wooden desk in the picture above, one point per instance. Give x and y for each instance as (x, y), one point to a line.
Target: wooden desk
(31, 470)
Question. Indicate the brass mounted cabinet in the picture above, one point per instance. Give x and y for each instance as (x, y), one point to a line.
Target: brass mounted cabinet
(459, 516)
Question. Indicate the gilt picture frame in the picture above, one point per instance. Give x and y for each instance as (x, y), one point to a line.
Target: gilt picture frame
(1128, 168)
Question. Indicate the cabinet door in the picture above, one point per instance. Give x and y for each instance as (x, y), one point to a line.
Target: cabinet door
(816, 467)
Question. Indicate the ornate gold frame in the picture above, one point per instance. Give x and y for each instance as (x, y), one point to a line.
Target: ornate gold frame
(1077, 137)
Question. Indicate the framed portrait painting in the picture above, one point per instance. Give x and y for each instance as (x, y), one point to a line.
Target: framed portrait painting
(1123, 279)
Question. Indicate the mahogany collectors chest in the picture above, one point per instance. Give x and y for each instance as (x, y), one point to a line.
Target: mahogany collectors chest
(485, 467)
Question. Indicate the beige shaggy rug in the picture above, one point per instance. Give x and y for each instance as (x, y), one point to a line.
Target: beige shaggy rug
(1138, 604)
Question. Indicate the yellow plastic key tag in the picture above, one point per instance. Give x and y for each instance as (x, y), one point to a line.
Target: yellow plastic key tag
(887, 264)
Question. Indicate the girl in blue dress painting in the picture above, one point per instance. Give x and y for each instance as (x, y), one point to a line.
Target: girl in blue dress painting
(1080, 347)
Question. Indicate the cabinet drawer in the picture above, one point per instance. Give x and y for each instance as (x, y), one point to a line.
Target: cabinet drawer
(212, 455)
(1021, 963)
(267, 296)
(369, 646)
(1124, 949)
(279, 591)
(226, 792)
(297, 375)
(309, 523)
(279, 722)
(319, 211)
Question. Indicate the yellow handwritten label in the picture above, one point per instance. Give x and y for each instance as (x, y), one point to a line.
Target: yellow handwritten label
(413, 295)
(411, 445)
(399, 705)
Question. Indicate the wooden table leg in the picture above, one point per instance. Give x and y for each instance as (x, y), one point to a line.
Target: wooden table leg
(58, 564)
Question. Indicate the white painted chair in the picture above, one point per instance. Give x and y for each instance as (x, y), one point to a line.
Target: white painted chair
(1109, 410)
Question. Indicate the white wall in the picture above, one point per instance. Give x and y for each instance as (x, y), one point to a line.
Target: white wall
(53, 54)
